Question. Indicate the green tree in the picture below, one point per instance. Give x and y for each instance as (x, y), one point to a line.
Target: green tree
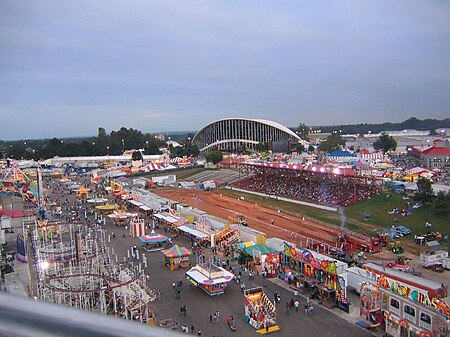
(424, 190)
(442, 201)
(214, 156)
(331, 143)
(262, 147)
(303, 131)
(137, 155)
(298, 147)
(385, 143)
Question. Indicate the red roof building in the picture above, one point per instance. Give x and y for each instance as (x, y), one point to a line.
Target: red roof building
(437, 156)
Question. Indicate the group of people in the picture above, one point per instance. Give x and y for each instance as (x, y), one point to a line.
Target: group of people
(185, 329)
(313, 187)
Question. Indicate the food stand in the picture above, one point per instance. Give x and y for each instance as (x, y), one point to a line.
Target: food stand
(225, 238)
(82, 193)
(210, 278)
(153, 242)
(176, 257)
(260, 312)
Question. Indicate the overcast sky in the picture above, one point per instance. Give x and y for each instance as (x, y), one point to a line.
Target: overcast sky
(67, 68)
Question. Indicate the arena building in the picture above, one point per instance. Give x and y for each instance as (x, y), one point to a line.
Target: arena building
(237, 134)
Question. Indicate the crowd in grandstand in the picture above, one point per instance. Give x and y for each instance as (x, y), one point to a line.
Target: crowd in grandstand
(406, 161)
(313, 187)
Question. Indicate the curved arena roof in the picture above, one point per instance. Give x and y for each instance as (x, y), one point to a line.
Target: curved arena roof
(237, 133)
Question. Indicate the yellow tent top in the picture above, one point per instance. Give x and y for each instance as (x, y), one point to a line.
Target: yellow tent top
(107, 207)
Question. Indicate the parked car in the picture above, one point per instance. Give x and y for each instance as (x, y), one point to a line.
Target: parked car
(402, 230)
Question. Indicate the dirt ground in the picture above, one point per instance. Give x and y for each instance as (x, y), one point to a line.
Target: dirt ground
(285, 226)
(273, 223)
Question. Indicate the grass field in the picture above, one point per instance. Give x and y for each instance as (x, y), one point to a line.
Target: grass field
(365, 216)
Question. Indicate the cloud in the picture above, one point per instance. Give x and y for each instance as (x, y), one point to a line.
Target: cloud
(178, 64)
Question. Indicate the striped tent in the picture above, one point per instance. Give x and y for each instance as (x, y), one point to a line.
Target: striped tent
(176, 251)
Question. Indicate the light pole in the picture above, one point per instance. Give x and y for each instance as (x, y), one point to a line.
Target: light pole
(123, 146)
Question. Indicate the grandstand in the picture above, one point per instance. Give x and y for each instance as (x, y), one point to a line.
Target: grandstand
(224, 176)
(320, 187)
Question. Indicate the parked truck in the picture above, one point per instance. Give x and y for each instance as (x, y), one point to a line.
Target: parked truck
(433, 255)
(446, 262)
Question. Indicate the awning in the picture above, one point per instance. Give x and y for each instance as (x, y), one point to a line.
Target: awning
(145, 208)
(194, 232)
(135, 203)
(200, 278)
(153, 238)
(167, 218)
(176, 251)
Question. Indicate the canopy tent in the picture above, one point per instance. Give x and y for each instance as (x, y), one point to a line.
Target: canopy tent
(97, 200)
(419, 171)
(122, 215)
(211, 278)
(176, 251)
(153, 242)
(151, 167)
(260, 248)
(83, 190)
(176, 257)
(107, 207)
(153, 238)
(243, 245)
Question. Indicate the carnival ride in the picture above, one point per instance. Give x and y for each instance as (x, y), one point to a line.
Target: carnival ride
(74, 267)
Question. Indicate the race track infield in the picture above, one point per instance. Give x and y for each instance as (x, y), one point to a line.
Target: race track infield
(285, 226)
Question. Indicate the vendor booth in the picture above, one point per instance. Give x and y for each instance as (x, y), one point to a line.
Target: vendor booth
(319, 277)
(190, 231)
(210, 278)
(137, 228)
(82, 193)
(226, 238)
(260, 312)
(107, 208)
(153, 242)
(176, 257)
(254, 256)
(122, 218)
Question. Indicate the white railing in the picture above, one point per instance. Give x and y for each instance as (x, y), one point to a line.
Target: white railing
(394, 310)
(409, 317)
(425, 325)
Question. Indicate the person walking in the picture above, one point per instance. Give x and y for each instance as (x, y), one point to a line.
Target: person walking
(310, 309)
(296, 304)
(217, 316)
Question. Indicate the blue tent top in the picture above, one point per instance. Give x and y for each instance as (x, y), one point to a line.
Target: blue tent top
(338, 153)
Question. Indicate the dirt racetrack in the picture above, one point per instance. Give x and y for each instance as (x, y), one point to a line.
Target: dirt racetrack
(285, 226)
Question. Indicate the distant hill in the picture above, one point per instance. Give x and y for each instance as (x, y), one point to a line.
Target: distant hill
(411, 123)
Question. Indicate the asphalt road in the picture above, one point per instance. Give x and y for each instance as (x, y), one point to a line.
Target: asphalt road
(200, 305)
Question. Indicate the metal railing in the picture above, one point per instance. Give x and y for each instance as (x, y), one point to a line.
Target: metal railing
(23, 317)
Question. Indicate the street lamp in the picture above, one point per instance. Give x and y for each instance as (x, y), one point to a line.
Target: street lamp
(123, 145)
(107, 150)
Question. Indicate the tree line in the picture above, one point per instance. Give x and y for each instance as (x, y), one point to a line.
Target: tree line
(114, 143)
